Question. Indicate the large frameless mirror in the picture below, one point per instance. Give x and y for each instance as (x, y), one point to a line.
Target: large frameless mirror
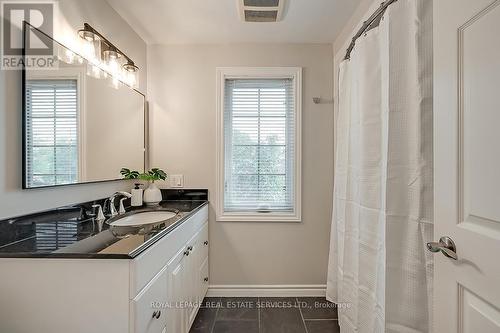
(80, 124)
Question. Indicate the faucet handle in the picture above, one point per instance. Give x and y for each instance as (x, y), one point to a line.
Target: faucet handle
(99, 214)
(122, 210)
(112, 208)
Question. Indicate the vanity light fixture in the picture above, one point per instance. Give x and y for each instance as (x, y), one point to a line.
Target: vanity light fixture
(106, 56)
(132, 72)
(91, 44)
(130, 67)
(112, 58)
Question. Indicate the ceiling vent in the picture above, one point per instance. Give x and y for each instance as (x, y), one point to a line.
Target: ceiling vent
(261, 10)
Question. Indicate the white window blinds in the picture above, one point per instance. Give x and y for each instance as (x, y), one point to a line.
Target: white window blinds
(51, 132)
(259, 144)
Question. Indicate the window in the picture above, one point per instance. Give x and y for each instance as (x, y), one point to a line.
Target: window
(259, 144)
(52, 132)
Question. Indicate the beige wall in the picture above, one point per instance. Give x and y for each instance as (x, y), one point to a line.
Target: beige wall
(70, 17)
(181, 83)
(362, 12)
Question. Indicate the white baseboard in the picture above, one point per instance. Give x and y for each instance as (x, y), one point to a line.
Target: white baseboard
(316, 290)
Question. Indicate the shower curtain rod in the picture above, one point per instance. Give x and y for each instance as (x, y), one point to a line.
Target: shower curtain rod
(368, 24)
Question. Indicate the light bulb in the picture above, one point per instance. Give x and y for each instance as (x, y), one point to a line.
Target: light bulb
(113, 66)
(91, 47)
(131, 80)
(134, 79)
(88, 50)
(111, 58)
(131, 73)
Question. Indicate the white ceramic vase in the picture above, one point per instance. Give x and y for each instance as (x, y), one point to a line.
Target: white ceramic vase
(152, 195)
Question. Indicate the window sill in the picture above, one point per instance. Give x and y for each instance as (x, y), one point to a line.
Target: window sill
(256, 217)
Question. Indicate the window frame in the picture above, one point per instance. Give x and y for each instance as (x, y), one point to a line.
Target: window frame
(294, 73)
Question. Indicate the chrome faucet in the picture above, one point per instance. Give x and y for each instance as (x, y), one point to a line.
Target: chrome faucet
(112, 208)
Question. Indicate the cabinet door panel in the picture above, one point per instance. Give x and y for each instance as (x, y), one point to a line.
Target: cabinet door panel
(204, 279)
(197, 274)
(177, 289)
(192, 279)
(148, 308)
(203, 266)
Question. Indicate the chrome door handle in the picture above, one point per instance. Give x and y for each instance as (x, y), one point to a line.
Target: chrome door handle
(446, 246)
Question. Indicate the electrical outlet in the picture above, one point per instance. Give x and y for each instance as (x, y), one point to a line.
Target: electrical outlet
(176, 181)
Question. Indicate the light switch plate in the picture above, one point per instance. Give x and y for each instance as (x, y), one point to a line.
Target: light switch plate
(176, 181)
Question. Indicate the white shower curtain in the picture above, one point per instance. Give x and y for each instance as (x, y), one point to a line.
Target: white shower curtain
(379, 270)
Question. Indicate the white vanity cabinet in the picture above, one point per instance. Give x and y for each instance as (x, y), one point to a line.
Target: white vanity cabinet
(159, 291)
(187, 282)
(173, 297)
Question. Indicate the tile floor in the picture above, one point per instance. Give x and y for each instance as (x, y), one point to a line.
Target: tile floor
(266, 315)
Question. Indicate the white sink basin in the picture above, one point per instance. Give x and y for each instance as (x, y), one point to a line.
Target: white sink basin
(143, 219)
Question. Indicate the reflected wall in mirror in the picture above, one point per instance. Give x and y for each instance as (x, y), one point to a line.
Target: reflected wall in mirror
(80, 124)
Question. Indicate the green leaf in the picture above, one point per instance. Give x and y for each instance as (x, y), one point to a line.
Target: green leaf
(153, 174)
(124, 171)
(129, 174)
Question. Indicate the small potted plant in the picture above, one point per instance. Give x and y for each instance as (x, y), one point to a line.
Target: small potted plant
(152, 195)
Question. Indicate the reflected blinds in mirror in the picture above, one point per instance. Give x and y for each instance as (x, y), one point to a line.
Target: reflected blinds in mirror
(259, 142)
(51, 132)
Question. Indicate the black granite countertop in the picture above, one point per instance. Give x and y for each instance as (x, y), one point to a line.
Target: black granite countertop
(67, 232)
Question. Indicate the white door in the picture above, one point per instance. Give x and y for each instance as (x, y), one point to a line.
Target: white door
(467, 164)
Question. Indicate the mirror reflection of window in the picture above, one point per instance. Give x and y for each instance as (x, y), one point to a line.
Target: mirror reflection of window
(52, 132)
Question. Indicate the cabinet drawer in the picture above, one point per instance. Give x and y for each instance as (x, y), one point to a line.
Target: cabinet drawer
(148, 309)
